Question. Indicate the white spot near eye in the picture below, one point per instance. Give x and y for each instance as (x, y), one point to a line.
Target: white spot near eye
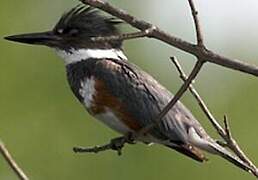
(60, 31)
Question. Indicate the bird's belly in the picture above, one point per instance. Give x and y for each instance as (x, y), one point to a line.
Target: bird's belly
(111, 120)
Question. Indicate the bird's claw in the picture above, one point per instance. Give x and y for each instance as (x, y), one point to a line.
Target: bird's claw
(117, 144)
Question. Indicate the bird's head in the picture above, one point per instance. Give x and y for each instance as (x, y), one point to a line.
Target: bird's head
(75, 30)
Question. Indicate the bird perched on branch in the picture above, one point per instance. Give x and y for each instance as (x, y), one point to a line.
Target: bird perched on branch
(117, 92)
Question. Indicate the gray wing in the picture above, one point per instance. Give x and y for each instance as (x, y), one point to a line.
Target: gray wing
(145, 98)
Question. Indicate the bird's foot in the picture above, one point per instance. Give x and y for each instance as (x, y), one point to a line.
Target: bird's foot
(115, 144)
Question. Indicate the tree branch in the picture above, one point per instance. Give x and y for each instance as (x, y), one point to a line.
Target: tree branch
(159, 34)
(224, 133)
(11, 162)
(199, 35)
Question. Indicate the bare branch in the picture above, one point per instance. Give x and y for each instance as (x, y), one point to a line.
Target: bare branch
(197, 24)
(135, 35)
(227, 128)
(224, 133)
(11, 162)
(202, 53)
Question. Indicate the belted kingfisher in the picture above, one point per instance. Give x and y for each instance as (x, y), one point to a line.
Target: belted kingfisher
(117, 92)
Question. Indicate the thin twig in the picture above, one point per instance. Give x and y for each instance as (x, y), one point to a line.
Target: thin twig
(224, 133)
(159, 34)
(11, 162)
(227, 128)
(197, 24)
(127, 36)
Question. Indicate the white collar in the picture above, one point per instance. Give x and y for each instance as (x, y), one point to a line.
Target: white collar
(76, 55)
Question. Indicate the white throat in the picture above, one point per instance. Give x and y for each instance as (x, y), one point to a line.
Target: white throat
(76, 55)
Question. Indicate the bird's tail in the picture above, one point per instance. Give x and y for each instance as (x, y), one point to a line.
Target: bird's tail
(209, 145)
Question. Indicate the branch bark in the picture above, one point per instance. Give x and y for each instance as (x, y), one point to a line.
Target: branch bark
(11, 162)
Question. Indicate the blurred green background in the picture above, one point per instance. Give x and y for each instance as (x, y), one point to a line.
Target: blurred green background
(40, 120)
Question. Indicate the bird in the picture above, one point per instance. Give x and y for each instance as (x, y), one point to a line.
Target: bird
(117, 92)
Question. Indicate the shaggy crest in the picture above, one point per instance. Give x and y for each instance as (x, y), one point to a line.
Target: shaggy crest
(87, 21)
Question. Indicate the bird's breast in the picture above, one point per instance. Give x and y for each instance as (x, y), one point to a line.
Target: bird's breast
(87, 91)
(101, 104)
